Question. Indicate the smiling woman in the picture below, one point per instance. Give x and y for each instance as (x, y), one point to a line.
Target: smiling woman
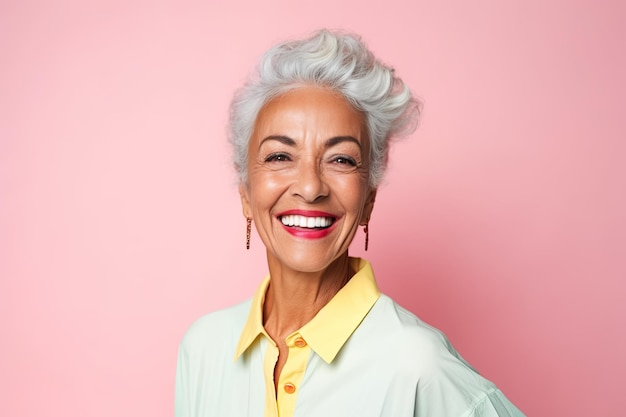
(311, 136)
(307, 188)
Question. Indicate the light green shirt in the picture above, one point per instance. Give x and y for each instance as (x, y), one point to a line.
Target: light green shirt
(361, 355)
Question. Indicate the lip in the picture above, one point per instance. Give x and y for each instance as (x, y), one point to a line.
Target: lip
(305, 232)
(307, 213)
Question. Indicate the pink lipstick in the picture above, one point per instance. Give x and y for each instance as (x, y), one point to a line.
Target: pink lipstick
(310, 224)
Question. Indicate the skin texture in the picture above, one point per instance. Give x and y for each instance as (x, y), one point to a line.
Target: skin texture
(309, 154)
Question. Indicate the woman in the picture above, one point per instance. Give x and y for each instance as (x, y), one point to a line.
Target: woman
(311, 135)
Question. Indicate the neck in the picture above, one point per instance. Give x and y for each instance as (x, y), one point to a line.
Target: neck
(294, 297)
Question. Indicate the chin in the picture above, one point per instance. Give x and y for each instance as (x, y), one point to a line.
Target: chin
(309, 261)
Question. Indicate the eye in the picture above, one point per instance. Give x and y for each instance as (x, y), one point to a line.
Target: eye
(344, 160)
(277, 157)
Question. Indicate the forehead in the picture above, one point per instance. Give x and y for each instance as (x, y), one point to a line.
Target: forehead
(310, 110)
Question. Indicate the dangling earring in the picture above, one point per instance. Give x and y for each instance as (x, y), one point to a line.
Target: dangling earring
(367, 235)
(248, 230)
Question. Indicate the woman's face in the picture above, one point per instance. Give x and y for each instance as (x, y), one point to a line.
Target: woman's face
(308, 171)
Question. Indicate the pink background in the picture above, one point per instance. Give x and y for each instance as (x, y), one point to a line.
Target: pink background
(501, 220)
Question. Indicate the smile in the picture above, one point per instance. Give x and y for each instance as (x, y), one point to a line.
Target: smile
(295, 220)
(308, 224)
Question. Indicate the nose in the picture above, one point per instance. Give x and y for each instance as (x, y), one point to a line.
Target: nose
(309, 183)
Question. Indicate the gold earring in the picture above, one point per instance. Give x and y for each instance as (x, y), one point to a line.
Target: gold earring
(248, 230)
(367, 235)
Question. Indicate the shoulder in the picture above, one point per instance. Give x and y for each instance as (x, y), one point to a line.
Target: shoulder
(402, 326)
(412, 344)
(417, 354)
(219, 327)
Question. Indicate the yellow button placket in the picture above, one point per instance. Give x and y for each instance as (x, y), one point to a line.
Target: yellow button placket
(271, 357)
(292, 375)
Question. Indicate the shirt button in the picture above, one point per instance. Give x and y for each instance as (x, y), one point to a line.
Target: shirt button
(299, 342)
(289, 388)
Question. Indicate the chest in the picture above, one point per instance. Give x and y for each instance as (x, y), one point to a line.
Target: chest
(350, 385)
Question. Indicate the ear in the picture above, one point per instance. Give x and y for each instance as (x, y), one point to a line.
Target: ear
(245, 201)
(369, 207)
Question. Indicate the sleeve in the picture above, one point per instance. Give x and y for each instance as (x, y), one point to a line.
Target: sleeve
(182, 403)
(495, 404)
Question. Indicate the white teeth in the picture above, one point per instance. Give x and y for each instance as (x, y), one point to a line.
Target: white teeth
(308, 222)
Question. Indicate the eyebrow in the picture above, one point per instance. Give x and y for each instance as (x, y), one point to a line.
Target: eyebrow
(286, 140)
(338, 139)
(329, 143)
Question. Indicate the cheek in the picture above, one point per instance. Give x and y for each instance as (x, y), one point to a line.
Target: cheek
(270, 182)
(265, 190)
(353, 192)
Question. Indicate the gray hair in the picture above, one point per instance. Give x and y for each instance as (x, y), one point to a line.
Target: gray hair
(337, 61)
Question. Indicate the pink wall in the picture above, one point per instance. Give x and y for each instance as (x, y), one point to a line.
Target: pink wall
(501, 221)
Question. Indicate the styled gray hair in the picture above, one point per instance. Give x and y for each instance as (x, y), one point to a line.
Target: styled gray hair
(342, 63)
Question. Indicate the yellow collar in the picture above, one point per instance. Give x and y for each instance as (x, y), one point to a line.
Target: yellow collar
(331, 327)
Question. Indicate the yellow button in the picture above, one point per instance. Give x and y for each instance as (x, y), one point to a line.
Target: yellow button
(289, 388)
(300, 342)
